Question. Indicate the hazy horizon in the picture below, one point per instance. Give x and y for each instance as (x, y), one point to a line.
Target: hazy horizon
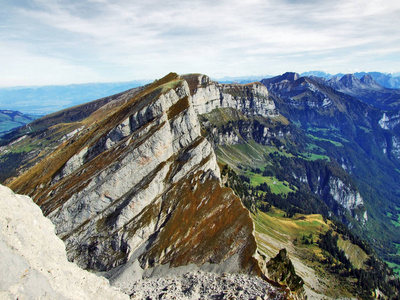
(148, 80)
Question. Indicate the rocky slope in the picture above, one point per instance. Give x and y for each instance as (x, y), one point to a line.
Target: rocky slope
(33, 261)
(201, 285)
(367, 90)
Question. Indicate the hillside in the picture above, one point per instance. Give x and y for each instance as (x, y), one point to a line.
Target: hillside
(358, 137)
(10, 120)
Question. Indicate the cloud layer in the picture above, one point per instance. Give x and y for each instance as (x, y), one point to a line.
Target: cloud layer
(71, 41)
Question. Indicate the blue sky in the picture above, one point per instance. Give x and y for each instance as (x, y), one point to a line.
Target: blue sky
(44, 42)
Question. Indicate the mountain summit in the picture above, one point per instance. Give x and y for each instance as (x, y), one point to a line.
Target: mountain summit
(133, 188)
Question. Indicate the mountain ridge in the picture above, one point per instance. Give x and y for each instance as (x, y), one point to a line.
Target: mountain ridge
(134, 184)
(387, 80)
(155, 133)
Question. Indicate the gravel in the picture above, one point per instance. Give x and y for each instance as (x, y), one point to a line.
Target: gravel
(204, 285)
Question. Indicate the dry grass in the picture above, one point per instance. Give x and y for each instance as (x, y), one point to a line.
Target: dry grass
(207, 223)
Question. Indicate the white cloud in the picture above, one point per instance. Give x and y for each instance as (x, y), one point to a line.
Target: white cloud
(124, 40)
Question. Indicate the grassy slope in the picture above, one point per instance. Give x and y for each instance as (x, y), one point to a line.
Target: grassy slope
(274, 232)
(277, 186)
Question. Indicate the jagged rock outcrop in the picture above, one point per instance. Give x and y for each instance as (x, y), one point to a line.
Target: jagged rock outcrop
(33, 260)
(389, 121)
(344, 195)
(138, 188)
(281, 269)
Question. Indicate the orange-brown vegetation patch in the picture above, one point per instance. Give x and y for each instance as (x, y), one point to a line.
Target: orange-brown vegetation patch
(178, 107)
(206, 224)
(193, 81)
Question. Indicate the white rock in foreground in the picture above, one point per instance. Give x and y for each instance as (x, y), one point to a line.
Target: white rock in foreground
(33, 262)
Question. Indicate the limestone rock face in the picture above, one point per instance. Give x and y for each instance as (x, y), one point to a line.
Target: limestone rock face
(33, 261)
(139, 186)
(250, 99)
(389, 121)
(348, 198)
(343, 195)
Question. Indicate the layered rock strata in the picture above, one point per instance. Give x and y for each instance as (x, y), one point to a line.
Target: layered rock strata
(250, 99)
(138, 185)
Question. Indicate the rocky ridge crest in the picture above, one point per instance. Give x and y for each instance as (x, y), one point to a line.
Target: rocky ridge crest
(251, 99)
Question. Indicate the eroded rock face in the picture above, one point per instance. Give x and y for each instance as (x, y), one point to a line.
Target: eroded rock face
(250, 99)
(348, 198)
(344, 195)
(33, 261)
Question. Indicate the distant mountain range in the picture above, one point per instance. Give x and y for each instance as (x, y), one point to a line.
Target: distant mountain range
(241, 79)
(391, 81)
(368, 90)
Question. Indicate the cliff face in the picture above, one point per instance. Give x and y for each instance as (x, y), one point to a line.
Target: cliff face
(390, 122)
(139, 185)
(348, 198)
(250, 99)
(233, 114)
